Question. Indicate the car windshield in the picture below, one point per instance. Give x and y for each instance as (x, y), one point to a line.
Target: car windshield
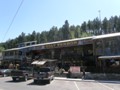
(25, 68)
(5, 70)
(2, 70)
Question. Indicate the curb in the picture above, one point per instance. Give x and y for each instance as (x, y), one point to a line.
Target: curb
(86, 80)
(73, 79)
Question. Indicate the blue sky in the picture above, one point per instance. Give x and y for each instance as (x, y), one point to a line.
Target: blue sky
(40, 15)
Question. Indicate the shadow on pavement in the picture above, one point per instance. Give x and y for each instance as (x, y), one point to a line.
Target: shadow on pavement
(11, 81)
(40, 83)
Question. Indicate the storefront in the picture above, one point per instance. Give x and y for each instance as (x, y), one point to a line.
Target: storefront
(107, 52)
(77, 52)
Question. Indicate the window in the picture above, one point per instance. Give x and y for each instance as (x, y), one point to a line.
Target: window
(98, 47)
(32, 43)
(20, 52)
(27, 44)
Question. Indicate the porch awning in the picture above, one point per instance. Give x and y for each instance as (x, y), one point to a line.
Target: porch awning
(38, 62)
(109, 57)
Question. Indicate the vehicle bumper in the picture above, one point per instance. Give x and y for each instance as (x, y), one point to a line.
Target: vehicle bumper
(41, 79)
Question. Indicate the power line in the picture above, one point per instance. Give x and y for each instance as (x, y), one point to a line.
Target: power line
(13, 19)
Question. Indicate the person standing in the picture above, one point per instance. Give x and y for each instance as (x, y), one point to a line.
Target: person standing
(83, 70)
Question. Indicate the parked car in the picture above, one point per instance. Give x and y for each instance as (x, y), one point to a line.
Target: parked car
(5, 72)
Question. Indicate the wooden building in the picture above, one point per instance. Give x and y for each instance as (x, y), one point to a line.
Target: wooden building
(67, 52)
(98, 53)
(106, 50)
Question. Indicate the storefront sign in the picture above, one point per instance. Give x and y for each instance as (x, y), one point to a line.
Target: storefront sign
(84, 42)
(39, 47)
(64, 44)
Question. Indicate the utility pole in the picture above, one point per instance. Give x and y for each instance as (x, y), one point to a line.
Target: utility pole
(99, 15)
(100, 30)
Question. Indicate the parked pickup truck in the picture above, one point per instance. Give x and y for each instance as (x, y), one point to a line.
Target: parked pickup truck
(43, 70)
(22, 74)
(43, 74)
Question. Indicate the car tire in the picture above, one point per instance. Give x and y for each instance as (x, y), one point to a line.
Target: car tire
(49, 81)
(14, 79)
(35, 81)
(53, 78)
(26, 78)
(4, 75)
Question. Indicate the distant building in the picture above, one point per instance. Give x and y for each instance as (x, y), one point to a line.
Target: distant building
(27, 44)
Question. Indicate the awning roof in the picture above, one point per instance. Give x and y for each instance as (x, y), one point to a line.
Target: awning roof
(109, 57)
(38, 62)
(106, 36)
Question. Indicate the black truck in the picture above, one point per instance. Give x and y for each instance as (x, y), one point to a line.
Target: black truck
(43, 74)
(23, 73)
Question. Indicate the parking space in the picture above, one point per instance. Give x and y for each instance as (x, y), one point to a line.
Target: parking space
(6, 83)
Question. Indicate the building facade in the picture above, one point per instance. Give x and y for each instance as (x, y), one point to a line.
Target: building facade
(97, 53)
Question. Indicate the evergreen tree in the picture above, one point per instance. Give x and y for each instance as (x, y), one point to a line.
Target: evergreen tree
(33, 36)
(72, 32)
(52, 34)
(118, 25)
(66, 31)
(105, 26)
(84, 27)
(78, 32)
(21, 38)
(92, 27)
(97, 26)
(115, 23)
(43, 37)
(1, 48)
(38, 37)
(60, 34)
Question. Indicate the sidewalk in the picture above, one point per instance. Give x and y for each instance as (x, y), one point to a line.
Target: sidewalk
(72, 79)
(86, 80)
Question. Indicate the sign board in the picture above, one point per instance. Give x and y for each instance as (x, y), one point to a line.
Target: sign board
(63, 44)
(75, 69)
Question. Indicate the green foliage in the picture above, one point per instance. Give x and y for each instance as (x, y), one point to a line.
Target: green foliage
(43, 37)
(1, 48)
(66, 31)
(53, 34)
(90, 28)
(85, 34)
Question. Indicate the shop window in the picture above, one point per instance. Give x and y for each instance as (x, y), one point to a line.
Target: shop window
(33, 43)
(27, 44)
(20, 52)
(98, 47)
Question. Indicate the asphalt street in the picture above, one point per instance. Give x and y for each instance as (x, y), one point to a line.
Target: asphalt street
(6, 83)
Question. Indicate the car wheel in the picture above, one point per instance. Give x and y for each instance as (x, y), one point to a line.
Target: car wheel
(26, 78)
(53, 78)
(4, 75)
(14, 79)
(49, 81)
(35, 81)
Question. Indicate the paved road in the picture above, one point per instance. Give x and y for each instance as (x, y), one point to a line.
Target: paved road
(59, 84)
